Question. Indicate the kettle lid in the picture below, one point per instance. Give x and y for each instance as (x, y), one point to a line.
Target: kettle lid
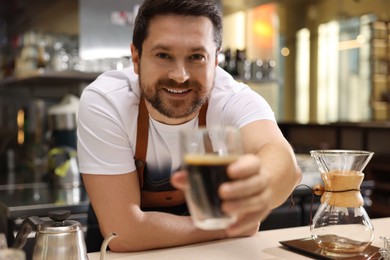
(59, 223)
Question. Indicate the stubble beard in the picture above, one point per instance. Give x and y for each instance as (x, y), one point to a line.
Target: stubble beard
(175, 109)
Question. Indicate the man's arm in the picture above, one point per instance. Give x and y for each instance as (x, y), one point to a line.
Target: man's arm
(116, 200)
(264, 178)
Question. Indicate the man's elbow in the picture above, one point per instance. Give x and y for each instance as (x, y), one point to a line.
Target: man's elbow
(298, 175)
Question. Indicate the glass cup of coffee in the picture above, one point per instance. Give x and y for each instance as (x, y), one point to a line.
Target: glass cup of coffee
(207, 153)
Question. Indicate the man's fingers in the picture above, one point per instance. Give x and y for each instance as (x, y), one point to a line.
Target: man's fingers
(179, 180)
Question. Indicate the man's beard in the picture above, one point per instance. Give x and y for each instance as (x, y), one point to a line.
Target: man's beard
(176, 109)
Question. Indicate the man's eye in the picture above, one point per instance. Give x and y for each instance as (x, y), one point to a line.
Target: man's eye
(197, 57)
(162, 55)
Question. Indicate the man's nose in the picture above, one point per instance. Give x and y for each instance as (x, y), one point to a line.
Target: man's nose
(179, 74)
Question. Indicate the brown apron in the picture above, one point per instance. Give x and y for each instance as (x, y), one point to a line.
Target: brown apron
(150, 199)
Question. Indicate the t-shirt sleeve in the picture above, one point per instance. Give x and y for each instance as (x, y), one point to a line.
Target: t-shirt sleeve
(103, 145)
(247, 106)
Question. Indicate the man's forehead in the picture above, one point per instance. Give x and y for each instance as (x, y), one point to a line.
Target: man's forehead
(194, 31)
(172, 22)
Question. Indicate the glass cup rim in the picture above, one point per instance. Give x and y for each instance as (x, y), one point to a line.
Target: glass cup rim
(337, 152)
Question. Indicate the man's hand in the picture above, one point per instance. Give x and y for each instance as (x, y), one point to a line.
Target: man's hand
(246, 196)
(261, 180)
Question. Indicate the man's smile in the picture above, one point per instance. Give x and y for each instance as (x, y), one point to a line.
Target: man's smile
(177, 91)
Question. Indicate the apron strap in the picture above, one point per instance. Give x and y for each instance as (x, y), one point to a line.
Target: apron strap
(149, 198)
(142, 140)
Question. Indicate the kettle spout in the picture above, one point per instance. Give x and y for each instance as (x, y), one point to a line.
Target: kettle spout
(103, 248)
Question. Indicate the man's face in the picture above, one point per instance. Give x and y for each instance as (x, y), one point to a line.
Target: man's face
(177, 67)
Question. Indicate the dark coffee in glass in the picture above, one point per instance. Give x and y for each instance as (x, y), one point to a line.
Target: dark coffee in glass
(207, 155)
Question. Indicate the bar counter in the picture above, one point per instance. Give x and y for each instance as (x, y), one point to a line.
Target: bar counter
(263, 245)
(37, 199)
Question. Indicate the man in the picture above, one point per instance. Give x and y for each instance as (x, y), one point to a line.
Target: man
(175, 77)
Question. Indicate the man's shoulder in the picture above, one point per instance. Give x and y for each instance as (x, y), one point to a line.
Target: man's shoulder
(225, 81)
(226, 85)
(228, 92)
(115, 80)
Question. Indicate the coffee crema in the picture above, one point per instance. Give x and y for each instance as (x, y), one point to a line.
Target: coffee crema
(209, 159)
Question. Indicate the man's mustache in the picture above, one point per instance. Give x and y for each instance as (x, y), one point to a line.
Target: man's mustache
(173, 84)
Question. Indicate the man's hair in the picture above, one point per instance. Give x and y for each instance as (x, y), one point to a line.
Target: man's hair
(151, 8)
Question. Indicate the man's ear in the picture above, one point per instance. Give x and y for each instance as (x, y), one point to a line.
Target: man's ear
(135, 58)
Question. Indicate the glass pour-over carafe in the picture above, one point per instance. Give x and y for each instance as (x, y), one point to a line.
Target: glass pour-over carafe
(341, 225)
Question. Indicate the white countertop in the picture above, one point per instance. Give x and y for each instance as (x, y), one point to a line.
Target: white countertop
(263, 245)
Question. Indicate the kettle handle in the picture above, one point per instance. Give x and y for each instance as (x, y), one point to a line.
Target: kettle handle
(105, 243)
(28, 225)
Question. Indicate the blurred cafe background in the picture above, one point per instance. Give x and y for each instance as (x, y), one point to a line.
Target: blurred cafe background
(323, 65)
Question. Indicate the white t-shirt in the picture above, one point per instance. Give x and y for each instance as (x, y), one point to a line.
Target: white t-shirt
(107, 123)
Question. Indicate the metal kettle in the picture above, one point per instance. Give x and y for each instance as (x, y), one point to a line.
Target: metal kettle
(54, 238)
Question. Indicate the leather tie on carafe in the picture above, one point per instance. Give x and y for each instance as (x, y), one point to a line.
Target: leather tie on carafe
(342, 189)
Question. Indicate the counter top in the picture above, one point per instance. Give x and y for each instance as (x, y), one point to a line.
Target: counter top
(37, 199)
(263, 245)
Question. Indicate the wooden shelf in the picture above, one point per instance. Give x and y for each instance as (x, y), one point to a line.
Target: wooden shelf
(49, 78)
(382, 186)
(379, 210)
